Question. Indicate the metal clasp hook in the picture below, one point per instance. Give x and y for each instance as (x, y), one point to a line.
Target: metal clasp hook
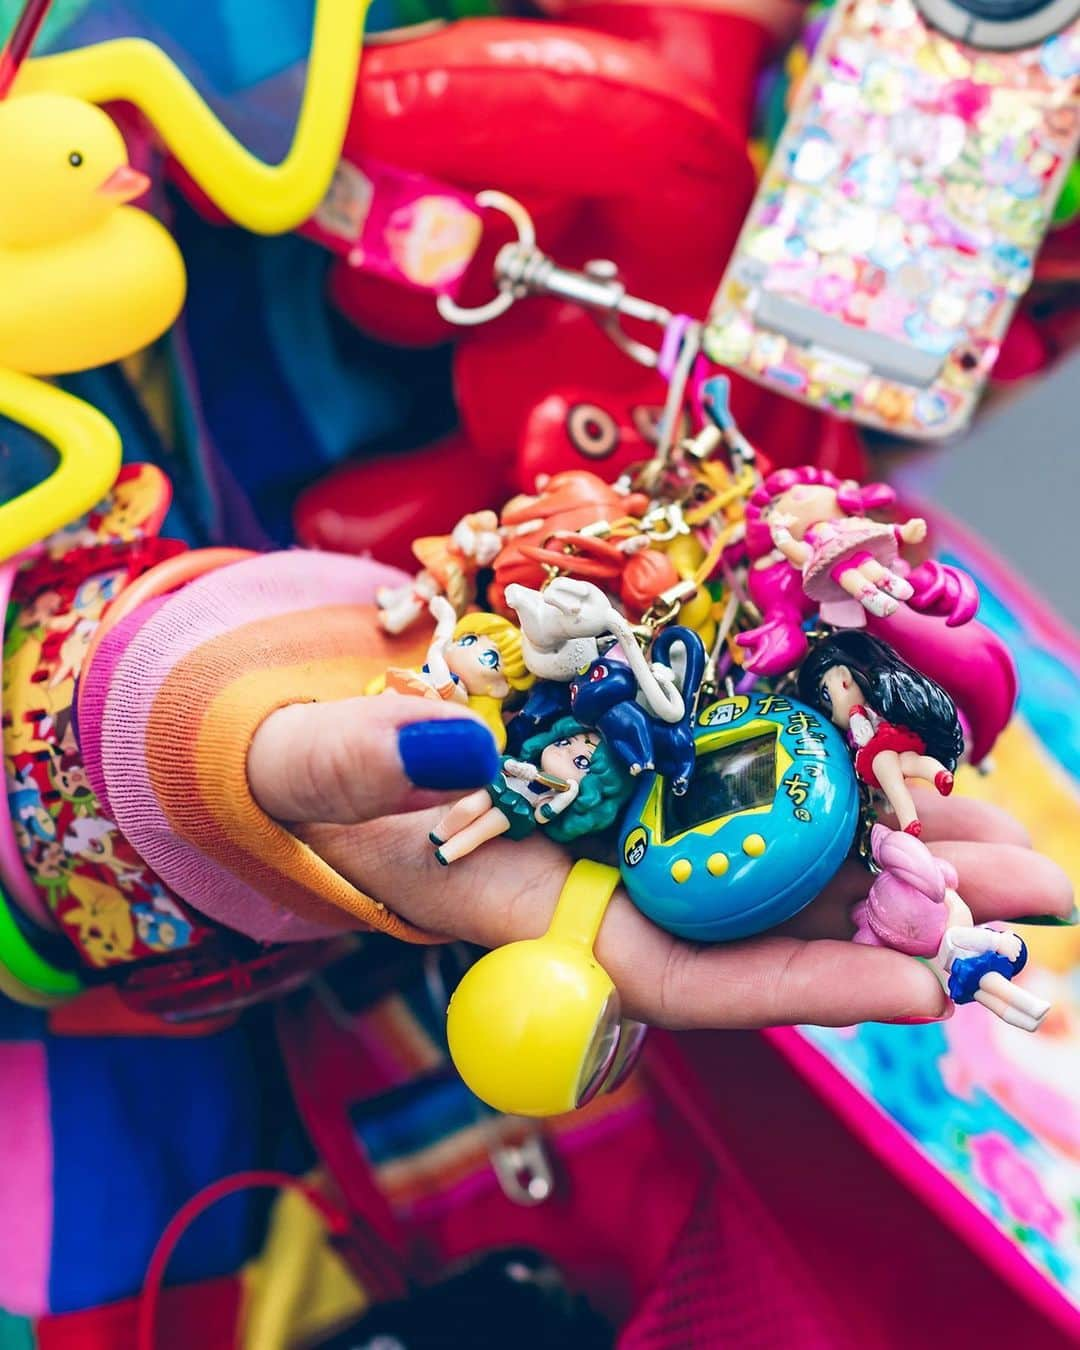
(522, 269)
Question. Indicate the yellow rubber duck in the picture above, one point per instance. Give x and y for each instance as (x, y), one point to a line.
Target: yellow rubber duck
(84, 278)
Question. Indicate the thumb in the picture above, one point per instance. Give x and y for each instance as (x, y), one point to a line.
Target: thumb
(366, 757)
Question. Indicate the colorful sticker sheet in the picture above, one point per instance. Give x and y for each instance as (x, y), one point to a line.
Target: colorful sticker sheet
(977, 1105)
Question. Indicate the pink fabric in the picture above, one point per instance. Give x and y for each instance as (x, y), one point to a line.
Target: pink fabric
(279, 583)
(16, 879)
(92, 699)
(26, 1148)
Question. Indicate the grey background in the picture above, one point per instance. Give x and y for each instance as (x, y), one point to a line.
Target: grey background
(1015, 479)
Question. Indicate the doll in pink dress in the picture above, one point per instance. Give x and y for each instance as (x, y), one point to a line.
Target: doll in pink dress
(900, 724)
(847, 560)
(914, 907)
(812, 546)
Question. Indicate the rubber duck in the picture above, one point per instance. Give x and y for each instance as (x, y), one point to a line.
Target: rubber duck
(85, 279)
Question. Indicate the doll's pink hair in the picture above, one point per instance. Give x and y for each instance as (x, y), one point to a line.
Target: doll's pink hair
(854, 498)
(905, 909)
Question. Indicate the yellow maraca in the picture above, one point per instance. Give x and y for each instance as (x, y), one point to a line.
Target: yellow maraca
(534, 1027)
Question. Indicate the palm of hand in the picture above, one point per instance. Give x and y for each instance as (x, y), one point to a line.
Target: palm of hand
(371, 828)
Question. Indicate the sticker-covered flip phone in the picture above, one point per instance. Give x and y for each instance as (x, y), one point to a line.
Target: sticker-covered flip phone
(770, 815)
(897, 224)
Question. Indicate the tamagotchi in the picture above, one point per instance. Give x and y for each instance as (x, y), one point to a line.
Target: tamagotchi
(770, 814)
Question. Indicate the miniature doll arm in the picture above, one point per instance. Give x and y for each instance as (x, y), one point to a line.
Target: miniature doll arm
(557, 805)
(660, 694)
(860, 726)
(442, 611)
(179, 691)
(519, 768)
(961, 942)
(796, 551)
(986, 939)
(912, 531)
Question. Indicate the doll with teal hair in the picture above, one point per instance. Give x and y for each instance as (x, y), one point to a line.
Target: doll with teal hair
(567, 782)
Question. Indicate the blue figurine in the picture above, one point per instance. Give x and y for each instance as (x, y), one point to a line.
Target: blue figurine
(643, 708)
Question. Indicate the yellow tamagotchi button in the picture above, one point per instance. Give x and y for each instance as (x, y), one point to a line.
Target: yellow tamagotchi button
(753, 846)
(717, 863)
(680, 870)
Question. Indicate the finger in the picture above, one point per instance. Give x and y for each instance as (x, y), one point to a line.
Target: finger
(367, 757)
(1003, 881)
(961, 817)
(778, 981)
(998, 881)
(508, 892)
(829, 914)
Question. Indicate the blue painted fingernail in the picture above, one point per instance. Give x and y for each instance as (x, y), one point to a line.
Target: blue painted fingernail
(457, 753)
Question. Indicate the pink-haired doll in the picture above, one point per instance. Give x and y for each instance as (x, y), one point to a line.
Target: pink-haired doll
(812, 546)
(913, 907)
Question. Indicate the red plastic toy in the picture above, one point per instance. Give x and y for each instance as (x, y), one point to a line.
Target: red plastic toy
(625, 137)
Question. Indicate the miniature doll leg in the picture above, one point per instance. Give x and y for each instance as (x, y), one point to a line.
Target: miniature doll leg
(925, 766)
(1010, 1002)
(890, 776)
(491, 824)
(861, 588)
(462, 813)
(1000, 986)
(675, 755)
(877, 574)
(627, 730)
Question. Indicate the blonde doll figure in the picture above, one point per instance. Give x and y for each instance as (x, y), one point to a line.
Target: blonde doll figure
(476, 660)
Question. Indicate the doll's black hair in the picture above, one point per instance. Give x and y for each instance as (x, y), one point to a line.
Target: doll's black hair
(896, 691)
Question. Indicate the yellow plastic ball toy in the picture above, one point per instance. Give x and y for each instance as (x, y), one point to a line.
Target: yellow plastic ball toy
(533, 1027)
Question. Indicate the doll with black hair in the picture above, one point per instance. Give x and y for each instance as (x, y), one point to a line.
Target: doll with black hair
(899, 724)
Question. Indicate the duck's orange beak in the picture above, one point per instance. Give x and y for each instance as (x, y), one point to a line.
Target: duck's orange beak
(124, 185)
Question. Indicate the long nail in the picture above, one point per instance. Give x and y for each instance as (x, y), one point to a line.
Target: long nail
(448, 753)
(919, 1021)
(1052, 920)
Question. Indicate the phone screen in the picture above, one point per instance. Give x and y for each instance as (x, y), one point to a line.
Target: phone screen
(26, 460)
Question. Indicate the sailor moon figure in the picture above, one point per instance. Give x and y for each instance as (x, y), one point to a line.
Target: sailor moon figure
(476, 660)
(567, 783)
(914, 907)
(900, 725)
(811, 545)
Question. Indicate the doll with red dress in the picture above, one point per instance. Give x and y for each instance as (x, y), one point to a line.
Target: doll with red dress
(900, 724)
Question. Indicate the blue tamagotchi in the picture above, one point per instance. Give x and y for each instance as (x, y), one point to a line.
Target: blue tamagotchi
(770, 814)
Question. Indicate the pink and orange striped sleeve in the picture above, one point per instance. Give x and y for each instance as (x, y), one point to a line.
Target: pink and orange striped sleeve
(170, 705)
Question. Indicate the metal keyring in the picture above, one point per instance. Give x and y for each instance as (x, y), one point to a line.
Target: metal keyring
(493, 200)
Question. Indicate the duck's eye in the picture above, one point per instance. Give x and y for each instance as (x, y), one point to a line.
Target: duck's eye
(825, 696)
(75, 159)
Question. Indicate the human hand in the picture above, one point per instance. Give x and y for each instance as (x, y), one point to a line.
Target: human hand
(336, 774)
